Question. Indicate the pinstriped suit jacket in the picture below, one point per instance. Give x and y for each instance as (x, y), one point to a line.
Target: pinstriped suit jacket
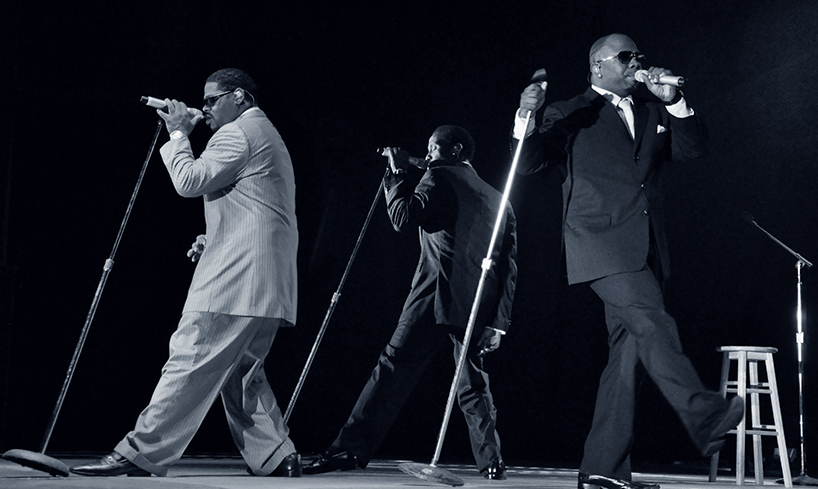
(245, 175)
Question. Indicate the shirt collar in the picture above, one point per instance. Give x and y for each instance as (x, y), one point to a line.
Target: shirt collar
(248, 111)
(610, 96)
(435, 163)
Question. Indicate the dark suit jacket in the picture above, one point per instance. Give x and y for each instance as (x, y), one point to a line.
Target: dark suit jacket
(612, 188)
(455, 211)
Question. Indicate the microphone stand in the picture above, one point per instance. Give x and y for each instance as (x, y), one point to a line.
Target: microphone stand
(418, 162)
(803, 479)
(433, 472)
(40, 461)
(333, 302)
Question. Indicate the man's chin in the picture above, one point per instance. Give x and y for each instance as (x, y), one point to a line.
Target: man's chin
(632, 84)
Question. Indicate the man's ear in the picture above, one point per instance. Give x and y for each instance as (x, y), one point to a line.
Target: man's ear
(239, 96)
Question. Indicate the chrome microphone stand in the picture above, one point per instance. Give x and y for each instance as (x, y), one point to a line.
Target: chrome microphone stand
(803, 479)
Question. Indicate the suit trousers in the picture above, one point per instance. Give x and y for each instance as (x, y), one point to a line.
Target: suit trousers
(642, 334)
(212, 354)
(394, 377)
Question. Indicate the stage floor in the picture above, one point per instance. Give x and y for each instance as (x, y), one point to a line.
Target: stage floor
(229, 473)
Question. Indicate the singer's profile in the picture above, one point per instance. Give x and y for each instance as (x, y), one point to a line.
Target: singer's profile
(451, 207)
(243, 290)
(609, 146)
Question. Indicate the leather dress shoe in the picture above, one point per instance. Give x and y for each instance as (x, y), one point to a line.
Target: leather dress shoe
(289, 467)
(589, 481)
(110, 465)
(496, 470)
(328, 463)
(731, 417)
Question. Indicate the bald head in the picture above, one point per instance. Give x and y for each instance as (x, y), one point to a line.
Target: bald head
(613, 61)
(607, 42)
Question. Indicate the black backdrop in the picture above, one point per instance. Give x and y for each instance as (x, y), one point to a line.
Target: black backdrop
(339, 81)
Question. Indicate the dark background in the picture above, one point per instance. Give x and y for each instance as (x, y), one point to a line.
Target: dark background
(340, 81)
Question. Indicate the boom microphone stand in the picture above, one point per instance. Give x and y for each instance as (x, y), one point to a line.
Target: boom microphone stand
(40, 461)
(803, 479)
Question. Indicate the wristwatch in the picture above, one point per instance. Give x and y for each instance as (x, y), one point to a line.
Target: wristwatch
(676, 98)
(177, 134)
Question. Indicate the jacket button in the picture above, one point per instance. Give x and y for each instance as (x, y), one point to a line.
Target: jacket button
(645, 212)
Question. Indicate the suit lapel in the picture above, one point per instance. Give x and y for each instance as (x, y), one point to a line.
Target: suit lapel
(640, 122)
(610, 112)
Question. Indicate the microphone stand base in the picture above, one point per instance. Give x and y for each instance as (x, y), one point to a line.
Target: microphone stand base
(801, 480)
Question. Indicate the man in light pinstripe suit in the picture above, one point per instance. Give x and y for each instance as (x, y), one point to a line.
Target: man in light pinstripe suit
(244, 288)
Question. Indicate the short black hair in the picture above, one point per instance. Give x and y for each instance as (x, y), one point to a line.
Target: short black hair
(229, 79)
(456, 134)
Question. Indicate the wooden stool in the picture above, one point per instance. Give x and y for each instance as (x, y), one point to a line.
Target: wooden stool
(750, 356)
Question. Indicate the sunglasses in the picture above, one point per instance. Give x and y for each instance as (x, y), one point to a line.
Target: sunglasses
(209, 101)
(625, 57)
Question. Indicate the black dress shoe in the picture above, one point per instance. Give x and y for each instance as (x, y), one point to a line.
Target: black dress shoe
(329, 463)
(588, 481)
(111, 465)
(731, 417)
(495, 471)
(289, 467)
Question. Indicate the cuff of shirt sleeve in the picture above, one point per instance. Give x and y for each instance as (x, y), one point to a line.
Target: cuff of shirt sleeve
(521, 131)
(680, 109)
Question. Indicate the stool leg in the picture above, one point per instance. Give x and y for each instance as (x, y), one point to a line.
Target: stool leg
(741, 429)
(725, 371)
(755, 415)
(779, 424)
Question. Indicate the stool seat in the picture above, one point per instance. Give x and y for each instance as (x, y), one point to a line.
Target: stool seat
(754, 349)
(747, 359)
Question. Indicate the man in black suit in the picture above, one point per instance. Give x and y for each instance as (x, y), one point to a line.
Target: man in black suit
(455, 211)
(610, 148)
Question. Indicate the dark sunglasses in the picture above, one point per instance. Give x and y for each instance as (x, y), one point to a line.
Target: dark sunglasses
(625, 57)
(209, 101)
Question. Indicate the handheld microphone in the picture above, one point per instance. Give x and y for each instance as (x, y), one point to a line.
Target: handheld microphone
(541, 77)
(418, 162)
(643, 76)
(160, 104)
